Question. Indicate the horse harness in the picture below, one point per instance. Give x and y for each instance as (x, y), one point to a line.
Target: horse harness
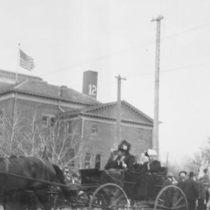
(45, 167)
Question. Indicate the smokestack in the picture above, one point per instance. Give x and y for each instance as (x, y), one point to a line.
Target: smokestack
(90, 79)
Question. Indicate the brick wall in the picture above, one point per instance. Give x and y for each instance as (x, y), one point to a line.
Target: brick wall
(102, 141)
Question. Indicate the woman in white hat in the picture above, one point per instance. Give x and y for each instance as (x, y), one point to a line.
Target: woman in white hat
(153, 165)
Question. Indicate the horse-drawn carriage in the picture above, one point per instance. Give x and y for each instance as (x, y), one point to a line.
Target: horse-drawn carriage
(101, 189)
(39, 185)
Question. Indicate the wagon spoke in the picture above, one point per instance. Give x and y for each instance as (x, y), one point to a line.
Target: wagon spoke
(171, 197)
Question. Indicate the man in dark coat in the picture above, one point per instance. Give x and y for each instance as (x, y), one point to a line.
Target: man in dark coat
(181, 180)
(203, 185)
(191, 191)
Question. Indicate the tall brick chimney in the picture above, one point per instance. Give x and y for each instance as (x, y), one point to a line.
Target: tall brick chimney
(90, 79)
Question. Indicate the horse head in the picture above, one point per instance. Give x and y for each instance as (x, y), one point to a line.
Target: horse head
(61, 179)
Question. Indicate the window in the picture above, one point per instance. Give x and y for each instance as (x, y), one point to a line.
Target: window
(1, 117)
(48, 120)
(52, 121)
(94, 129)
(71, 157)
(140, 134)
(45, 121)
(98, 161)
(69, 127)
(87, 160)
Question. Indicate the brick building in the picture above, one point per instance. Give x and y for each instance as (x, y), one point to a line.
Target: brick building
(98, 127)
(96, 121)
(32, 94)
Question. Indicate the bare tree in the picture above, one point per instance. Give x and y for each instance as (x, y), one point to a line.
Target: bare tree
(64, 142)
(61, 141)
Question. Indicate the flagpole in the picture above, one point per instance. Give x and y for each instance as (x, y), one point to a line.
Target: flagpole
(18, 60)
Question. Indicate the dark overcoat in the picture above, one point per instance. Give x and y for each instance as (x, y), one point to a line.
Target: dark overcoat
(129, 160)
(152, 167)
(191, 189)
(113, 161)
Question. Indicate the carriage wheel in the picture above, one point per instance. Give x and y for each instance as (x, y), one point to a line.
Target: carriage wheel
(171, 198)
(109, 196)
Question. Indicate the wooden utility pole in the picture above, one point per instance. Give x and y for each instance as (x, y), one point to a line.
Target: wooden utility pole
(119, 78)
(155, 139)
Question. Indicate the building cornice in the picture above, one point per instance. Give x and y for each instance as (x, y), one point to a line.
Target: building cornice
(101, 118)
(9, 92)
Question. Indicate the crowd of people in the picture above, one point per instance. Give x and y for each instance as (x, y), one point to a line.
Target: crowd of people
(195, 189)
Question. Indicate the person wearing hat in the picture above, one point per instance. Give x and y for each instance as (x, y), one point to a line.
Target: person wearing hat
(182, 175)
(152, 165)
(113, 161)
(170, 180)
(181, 180)
(121, 159)
(191, 191)
(127, 160)
(203, 185)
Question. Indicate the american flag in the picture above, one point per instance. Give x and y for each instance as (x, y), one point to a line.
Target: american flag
(26, 61)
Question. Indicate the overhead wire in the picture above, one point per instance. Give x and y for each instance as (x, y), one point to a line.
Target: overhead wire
(162, 71)
(165, 37)
(127, 49)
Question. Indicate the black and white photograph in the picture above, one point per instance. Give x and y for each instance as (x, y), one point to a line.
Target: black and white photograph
(104, 105)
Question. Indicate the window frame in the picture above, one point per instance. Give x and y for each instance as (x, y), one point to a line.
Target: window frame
(98, 162)
(95, 128)
(87, 160)
(48, 121)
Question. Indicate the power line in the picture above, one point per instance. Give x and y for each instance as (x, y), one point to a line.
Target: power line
(128, 49)
(169, 70)
(152, 73)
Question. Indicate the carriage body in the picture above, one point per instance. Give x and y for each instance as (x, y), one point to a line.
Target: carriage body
(136, 190)
(137, 185)
(100, 189)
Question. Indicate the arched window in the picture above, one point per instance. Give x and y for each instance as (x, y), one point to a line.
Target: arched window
(71, 157)
(98, 161)
(87, 160)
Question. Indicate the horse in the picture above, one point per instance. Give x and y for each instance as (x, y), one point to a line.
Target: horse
(204, 176)
(36, 175)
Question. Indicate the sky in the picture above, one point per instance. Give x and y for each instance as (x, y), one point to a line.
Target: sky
(117, 37)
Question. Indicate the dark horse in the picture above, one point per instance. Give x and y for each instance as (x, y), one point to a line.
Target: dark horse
(23, 178)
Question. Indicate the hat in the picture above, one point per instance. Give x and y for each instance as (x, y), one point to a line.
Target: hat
(184, 172)
(191, 174)
(205, 170)
(124, 145)
(150, 152)
(114, 148)
(170, 174)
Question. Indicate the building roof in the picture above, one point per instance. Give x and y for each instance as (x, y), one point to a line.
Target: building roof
(43, 89)
(10, 77)
(89, 112)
